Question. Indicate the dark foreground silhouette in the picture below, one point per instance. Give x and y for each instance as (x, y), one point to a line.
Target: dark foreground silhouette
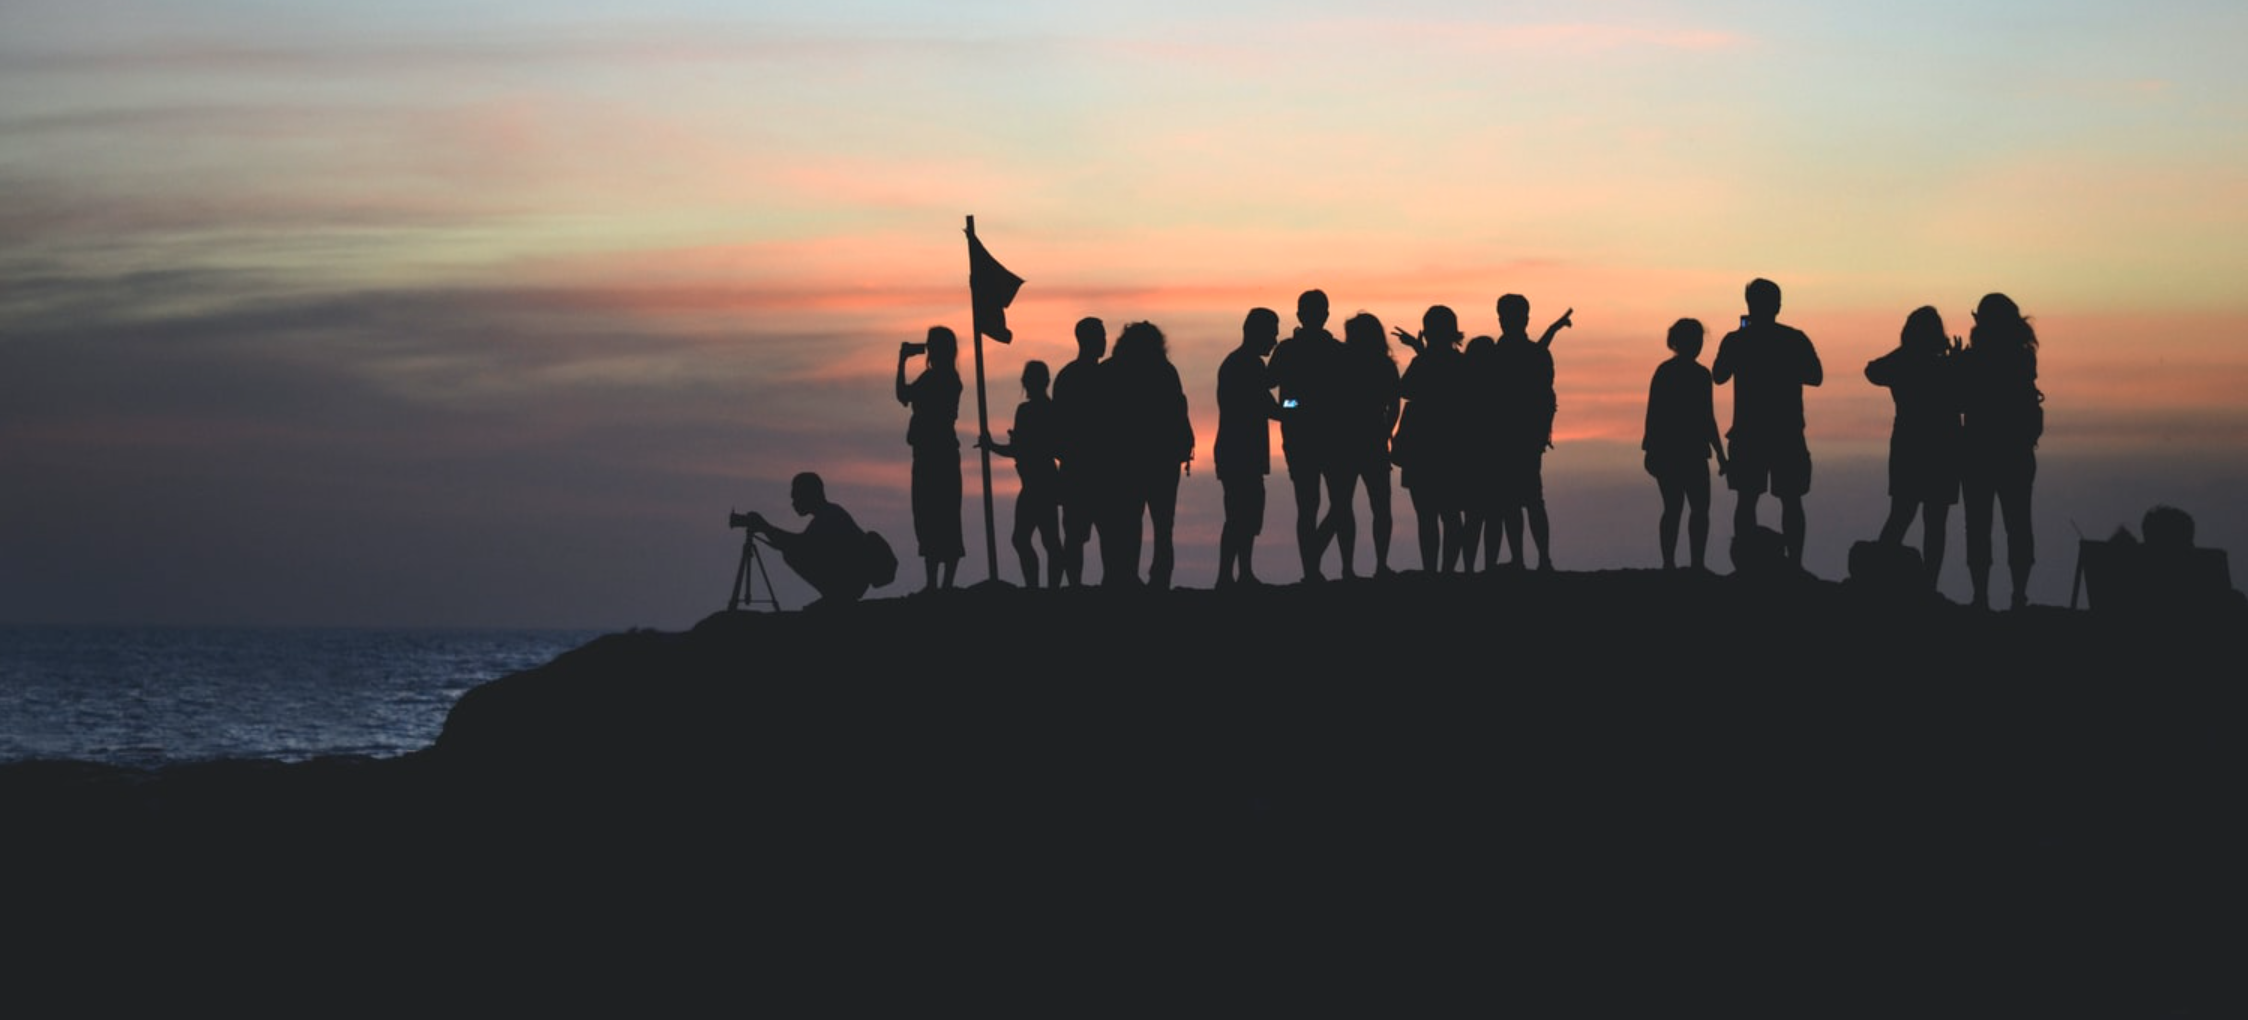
(1674, 788)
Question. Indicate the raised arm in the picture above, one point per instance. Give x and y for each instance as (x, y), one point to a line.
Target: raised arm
(1882, 371)
(905, 393)
(1558, 325)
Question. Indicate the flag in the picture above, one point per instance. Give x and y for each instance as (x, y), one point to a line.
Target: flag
(992, 287)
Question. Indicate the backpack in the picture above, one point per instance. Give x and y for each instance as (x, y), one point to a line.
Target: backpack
(881, 563)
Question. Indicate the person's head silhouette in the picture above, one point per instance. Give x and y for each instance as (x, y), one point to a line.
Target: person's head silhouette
(2167, 527)
(1763, 299)
(1440, 326)
(1261, 330)
(1141, 341)
(1092, 338)
(1924, 332)
(1311, 309)
(1363, 332)
(806, 493)
(1514, 314)
(1999, 322)
(1035, 377)
(944, 347)
(1685, 338)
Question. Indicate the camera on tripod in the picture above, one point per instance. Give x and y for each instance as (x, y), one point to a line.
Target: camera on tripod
(752, 568)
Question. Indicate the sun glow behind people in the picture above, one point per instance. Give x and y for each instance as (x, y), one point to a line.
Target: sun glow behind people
(414, 313)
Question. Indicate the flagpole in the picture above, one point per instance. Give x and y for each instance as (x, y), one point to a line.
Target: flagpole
(983, 417)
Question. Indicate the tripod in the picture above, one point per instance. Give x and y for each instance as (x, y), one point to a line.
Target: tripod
(745, 586)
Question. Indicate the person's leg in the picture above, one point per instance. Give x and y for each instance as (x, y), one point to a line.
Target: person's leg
(1342, 517)
(1229, 533)
(1254, 499)
(2021, 544)
(1046, 523)
(1429, 528)
(1306, 482)
(1025, 551)
(1130, 522)
(1666, 527)
(1534, 508)
(1792, 527)
(1977, 494)
(1744, 513)
(1377, 506)
(1452, 525)
(1893, 527)
(1934, 519)
(1075, 529)
(1539, 531)
(1510, 520)
(1162, 512)
(1697, 516)
(1474, 521)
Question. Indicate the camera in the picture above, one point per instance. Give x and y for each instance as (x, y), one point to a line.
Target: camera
(912, 347)
(751, 520)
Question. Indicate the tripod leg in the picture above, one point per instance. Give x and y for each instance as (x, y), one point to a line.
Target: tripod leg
(741, 574)
(770, 595)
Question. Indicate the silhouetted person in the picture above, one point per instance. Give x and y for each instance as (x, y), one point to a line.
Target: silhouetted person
(1924, 439)
(2004, 416)
(1522, 387)
(934, 398)
(2165, 577)
(1367, 391)
(1305, 367)
(1430, 434)
(1031, 444)
(1243, 450)
(1768, 365)
(1074, 400)
(1680, 438)
(1150, 438)
(829, 554)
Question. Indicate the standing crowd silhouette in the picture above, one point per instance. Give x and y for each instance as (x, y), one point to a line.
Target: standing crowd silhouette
(1467, 423)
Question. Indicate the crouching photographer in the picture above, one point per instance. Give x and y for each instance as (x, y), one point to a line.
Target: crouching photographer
(832, 554)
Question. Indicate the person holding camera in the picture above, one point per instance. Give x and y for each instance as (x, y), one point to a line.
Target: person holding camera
(1924, 440)
(829, 554)
(934, 398)
(1768, 363)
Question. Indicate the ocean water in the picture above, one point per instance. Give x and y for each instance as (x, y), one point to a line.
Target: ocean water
(150, 697)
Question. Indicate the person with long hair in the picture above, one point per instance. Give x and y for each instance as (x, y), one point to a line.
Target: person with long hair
(2004, 418)
(1429, 435)
(1924, 438)
(1151, 439)
(1368, 387)
(934, 398)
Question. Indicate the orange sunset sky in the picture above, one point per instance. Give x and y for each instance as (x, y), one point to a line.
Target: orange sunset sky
(487, 314)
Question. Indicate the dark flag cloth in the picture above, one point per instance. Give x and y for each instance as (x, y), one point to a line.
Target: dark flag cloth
(993, 288)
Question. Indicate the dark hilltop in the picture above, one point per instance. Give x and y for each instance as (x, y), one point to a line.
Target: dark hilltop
(1642, 786)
